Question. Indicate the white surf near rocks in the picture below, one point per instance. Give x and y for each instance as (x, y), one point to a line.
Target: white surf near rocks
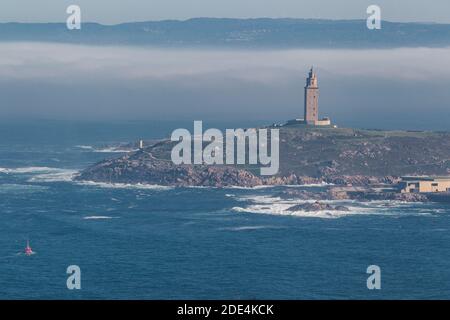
(273, 205)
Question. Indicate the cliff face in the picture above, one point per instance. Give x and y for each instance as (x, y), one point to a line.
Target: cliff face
(307, 155)
(143, 167)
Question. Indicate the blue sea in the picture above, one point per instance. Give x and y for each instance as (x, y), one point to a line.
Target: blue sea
(155, 242)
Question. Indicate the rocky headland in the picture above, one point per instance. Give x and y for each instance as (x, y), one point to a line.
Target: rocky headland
(369, 162)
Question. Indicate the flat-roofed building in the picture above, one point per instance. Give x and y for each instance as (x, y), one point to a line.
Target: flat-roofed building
(424, 184)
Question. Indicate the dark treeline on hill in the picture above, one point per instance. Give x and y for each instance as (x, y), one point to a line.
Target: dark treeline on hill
(237, 33)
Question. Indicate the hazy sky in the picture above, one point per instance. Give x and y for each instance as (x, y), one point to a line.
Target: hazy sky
(115, 11)
(395, 88)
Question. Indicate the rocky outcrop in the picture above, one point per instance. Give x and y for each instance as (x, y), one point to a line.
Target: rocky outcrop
(343, 157)
(360, 194)
(142, 167)
(291, 179)
(360, 180)
(406, 197)
(317, 206)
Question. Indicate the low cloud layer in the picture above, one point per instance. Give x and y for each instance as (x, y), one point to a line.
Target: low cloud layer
(70, 81)
(48, 61)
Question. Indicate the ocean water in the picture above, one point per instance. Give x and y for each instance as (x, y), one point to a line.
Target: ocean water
(154, 242)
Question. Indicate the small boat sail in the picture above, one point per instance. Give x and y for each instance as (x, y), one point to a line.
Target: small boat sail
(28, 250)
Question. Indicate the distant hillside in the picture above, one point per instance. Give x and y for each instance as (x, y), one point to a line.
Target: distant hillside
(341, 156)
(239, 33)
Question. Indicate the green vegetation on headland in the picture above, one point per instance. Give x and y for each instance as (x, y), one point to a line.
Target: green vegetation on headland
(340, 156)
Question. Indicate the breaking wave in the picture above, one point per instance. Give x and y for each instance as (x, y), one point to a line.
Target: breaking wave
(42, 174)
(269, 186)
(321, 184)
(99, 217)
(56, 175)
(124, 185)
(105, 149)
(249, 228)
(277, 206)
(26, 170)
(47, 174)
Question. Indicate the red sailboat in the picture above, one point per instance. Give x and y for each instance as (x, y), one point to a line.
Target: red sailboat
(28, 250)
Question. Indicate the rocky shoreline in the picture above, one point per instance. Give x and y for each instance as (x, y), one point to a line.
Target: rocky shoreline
(352, 193)
(359, 164)
(317, 206)
(143, 168)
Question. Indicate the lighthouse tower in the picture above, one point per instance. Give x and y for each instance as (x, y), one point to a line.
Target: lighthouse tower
(311, 117)
(311, 99)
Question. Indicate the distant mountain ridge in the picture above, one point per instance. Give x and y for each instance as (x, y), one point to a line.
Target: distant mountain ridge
(237, 33)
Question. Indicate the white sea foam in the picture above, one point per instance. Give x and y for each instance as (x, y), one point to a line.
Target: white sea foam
(248, 228)
(84, 147)
(269, 186)
(277, 209)
(321, 184)
(277, 206)
(113, 150)
(99, 217)
(105, 149)
(259, 199)
(263, 186)
(24, 170)
(42, 174)
(56, 175)
(124, 185)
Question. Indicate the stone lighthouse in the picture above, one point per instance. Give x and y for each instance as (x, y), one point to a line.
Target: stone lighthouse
(311, 117)
(311, 99)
